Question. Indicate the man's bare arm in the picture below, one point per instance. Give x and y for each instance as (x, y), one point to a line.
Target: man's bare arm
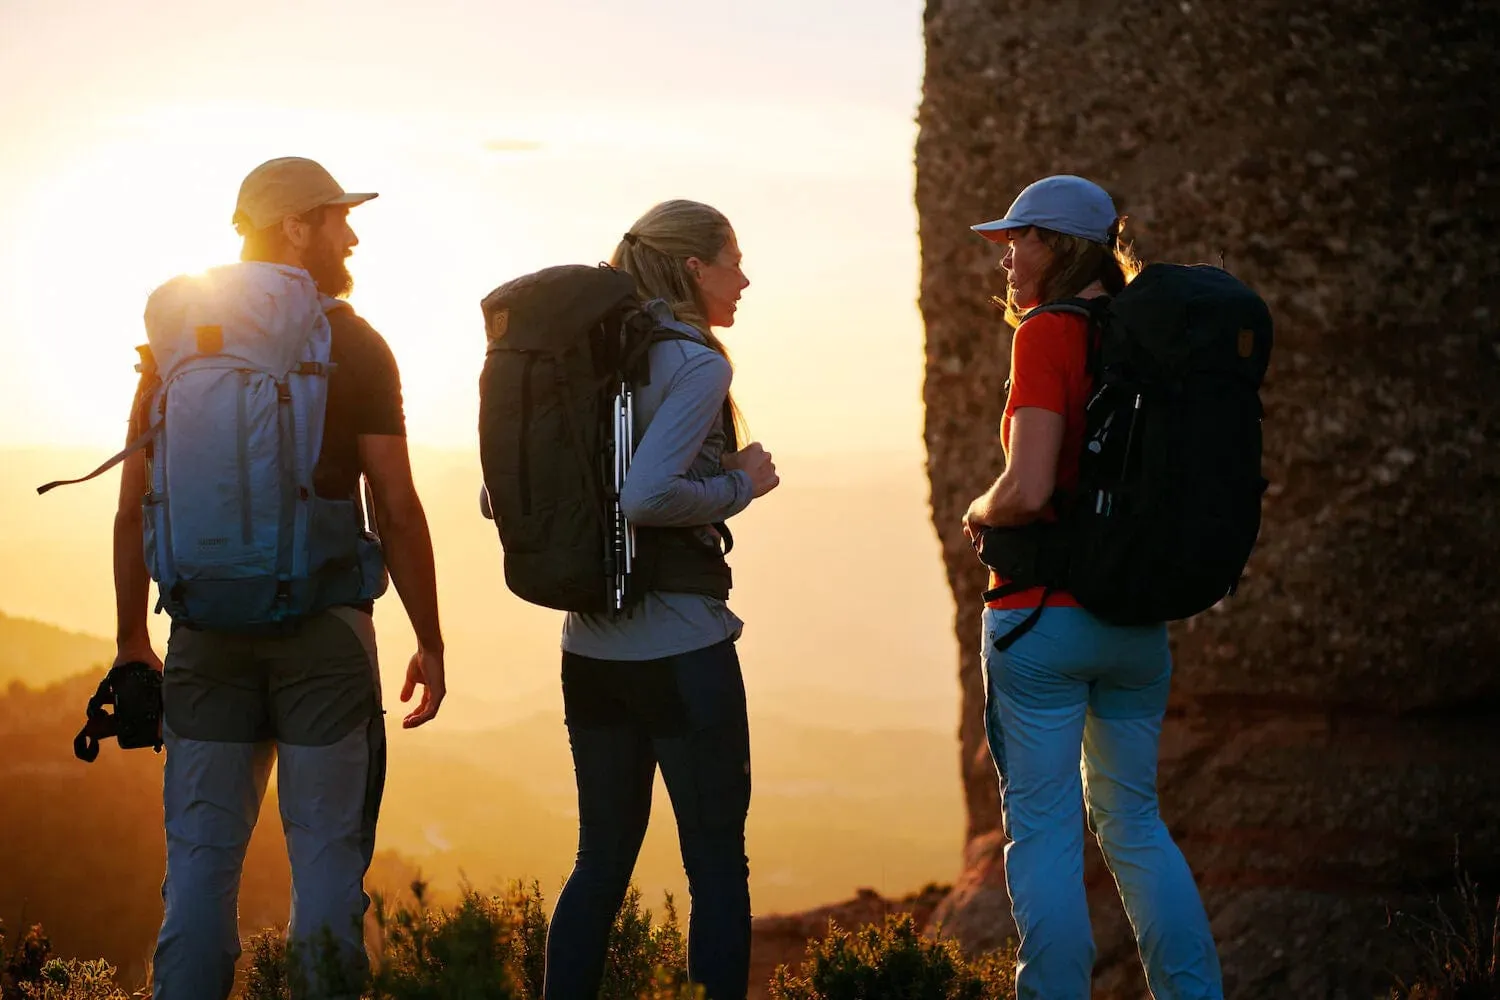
(407, 544)
(132, 584)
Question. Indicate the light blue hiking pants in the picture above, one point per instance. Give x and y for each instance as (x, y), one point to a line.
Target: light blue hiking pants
(235, 705)
(1075, 687)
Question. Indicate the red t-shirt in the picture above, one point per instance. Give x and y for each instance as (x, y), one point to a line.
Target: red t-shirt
(1049, 370)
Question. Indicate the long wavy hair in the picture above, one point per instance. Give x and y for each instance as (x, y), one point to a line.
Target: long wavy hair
(1076, 264)
(655, 252)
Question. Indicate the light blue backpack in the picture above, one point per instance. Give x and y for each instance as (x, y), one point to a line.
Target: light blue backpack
(235, 536)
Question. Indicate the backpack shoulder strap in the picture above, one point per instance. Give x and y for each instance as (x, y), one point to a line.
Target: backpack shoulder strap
(1094, 310)
(660, 334)
(1087, 308)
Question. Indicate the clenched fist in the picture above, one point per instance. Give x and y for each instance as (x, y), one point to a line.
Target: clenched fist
(756, 462)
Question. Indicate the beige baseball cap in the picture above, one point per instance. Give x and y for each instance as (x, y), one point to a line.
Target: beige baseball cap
(289, 185)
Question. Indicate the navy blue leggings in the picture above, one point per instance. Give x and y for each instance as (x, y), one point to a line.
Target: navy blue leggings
(686, 713)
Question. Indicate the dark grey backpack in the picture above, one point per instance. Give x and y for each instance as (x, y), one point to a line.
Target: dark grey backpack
(1167, 508)
(560, 343)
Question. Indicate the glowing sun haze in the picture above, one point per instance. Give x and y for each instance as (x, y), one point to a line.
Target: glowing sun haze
(502, 137)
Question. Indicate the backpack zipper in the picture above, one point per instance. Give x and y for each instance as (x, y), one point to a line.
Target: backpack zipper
(1135, 416)
(523, 473)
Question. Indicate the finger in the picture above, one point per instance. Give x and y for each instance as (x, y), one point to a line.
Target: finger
(410, 685)
(424, 713)
(414, 717)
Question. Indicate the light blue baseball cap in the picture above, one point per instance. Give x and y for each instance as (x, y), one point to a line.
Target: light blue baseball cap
(1062, 203)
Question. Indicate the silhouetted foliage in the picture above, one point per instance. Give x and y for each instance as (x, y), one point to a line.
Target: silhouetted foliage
(1458, 939)
(893, 960)
(21, 962)
(484, 948)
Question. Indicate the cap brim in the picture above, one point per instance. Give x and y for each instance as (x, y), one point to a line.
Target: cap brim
(986, 229)
(352, 198)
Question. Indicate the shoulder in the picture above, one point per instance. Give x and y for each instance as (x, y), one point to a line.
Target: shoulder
(1053, 324)
(355, 339)
(691, 364)
(350, 327)
(683, 356)
(1056, 335)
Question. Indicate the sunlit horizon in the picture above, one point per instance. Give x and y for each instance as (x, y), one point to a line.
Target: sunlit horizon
(504, 138)
(106, 197)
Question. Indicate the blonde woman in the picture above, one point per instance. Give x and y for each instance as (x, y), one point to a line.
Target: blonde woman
(661, 685)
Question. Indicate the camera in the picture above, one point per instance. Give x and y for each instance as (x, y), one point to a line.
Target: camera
(134, 689)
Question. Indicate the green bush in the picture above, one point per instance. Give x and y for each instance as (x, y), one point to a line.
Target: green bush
(484, 948)
(893, 962)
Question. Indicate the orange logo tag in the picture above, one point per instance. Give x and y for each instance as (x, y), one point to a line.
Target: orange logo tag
(499, 323)
(210, 339)
(1247, 343)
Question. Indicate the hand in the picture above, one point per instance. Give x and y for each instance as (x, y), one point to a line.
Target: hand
(754, 460)
(139, 651)
(426, 669)
(977, 518)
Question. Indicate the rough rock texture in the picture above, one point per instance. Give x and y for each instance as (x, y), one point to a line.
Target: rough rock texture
(1336, 725)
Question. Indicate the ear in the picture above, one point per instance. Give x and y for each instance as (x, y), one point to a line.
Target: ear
(297, 232)
(695, 268)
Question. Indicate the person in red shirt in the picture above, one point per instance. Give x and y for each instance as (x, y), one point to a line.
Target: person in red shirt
(1073, 685)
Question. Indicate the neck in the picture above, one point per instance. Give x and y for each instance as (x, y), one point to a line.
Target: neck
(1093, 291)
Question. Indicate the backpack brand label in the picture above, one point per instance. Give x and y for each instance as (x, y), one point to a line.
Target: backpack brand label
(499, 323)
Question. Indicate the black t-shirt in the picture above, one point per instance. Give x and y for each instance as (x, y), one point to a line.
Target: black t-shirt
(364, 397)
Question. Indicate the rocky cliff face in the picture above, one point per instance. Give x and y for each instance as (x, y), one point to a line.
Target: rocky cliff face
(1337, 725)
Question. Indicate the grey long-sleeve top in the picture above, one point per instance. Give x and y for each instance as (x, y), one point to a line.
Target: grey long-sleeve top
(676, 479)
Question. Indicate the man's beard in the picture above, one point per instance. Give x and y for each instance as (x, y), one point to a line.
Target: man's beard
(328, 268)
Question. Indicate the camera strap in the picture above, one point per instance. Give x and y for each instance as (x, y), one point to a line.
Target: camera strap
(100, 725)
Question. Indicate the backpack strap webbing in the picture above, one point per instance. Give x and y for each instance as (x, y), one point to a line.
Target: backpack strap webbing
(662, 334)
(1094, 310)
(130, 449)
(1078, 307)
(1007, 640)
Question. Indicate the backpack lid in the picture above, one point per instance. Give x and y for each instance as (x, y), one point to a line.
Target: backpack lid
(548, 309)
(252, 313)
(1165, 300)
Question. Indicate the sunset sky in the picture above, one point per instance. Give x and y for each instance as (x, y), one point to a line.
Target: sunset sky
(503, 137)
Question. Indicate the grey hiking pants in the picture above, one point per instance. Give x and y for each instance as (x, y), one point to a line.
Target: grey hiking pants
(233, 705)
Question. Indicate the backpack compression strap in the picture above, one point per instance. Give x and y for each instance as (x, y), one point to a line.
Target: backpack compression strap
(130, 449)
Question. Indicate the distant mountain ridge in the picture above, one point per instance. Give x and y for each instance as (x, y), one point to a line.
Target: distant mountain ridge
(38, 654)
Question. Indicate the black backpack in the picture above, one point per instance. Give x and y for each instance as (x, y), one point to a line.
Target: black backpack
(1167, 508)
(560, 343)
